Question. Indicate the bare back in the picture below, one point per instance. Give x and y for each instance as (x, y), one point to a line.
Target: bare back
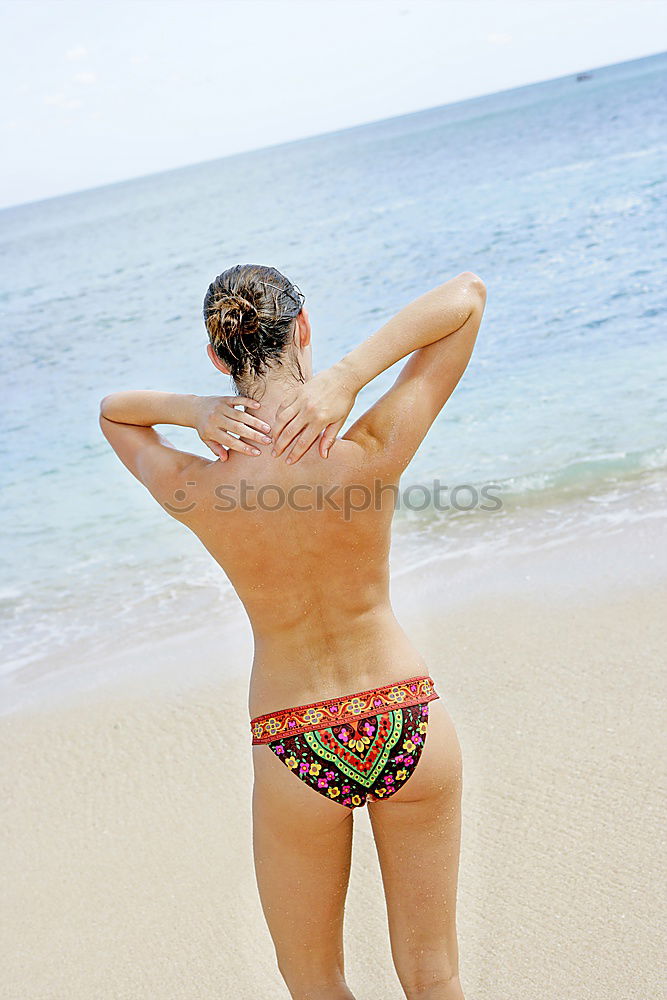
(307, 549)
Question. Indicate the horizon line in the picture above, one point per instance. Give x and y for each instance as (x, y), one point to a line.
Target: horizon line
(319, 135)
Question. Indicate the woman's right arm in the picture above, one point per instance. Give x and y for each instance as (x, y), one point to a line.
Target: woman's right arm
(451, 310)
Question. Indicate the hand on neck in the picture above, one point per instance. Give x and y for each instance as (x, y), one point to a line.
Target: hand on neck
(270, 391)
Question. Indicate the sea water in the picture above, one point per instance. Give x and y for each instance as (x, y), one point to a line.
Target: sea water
(554, 193)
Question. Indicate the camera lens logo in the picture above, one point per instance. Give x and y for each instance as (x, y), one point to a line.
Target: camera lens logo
(180, 496)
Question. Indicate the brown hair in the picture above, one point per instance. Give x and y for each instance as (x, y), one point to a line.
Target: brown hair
(249, 312)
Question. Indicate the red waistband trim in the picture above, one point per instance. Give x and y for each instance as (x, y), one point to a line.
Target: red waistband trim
(346, 708)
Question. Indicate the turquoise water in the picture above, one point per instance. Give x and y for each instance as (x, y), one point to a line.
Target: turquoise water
(554, 193)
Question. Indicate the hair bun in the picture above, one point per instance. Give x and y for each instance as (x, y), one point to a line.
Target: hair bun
(238, 317)
(250, 316)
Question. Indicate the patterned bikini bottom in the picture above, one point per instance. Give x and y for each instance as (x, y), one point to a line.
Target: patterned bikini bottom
(355, 748)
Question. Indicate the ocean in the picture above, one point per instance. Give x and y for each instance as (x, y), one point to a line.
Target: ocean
(555, 193)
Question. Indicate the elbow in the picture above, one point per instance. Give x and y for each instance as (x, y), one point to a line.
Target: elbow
(474, 283)
(474, 293)
(104, 410)
(105, 406)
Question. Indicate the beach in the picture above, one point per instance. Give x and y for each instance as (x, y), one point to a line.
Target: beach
(125, 762)
(126, 842)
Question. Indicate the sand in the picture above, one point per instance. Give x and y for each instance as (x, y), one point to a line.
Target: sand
(126, 841)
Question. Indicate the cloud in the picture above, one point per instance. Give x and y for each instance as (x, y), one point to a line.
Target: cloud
(499, 38)
(61, 100)
(78, 52)
(85, 78)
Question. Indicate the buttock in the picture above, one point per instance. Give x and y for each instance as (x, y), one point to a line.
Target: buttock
(356, 748)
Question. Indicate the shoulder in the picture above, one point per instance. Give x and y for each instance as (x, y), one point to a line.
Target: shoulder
(365, 456)
(153, 460)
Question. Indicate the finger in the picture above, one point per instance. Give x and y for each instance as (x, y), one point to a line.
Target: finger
(283, 417)
(301, 445)
(329, 437)
(245, 431)
(217, 450)
(226, 414)
(250, 420)
(243, 401)
(213, 445)
(235, 444)
(287, 435)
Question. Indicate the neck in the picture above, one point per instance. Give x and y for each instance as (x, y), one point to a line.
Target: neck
(271, 392)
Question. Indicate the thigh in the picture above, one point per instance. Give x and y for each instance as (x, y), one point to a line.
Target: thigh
(417, 835)
(302, 846)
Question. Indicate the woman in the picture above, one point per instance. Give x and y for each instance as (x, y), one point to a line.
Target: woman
(300, 522)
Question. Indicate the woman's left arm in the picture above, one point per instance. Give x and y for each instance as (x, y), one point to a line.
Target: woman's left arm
(127, 420)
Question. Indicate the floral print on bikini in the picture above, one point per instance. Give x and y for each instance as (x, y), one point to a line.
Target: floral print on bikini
(363, 757)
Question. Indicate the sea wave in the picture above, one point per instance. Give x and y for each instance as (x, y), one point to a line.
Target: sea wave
(585, 478)
(134, 600)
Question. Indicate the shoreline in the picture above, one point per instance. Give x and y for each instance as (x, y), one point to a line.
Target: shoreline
(127, 864)
(575, 565)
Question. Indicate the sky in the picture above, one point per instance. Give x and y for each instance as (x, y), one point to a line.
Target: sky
(103, 90)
